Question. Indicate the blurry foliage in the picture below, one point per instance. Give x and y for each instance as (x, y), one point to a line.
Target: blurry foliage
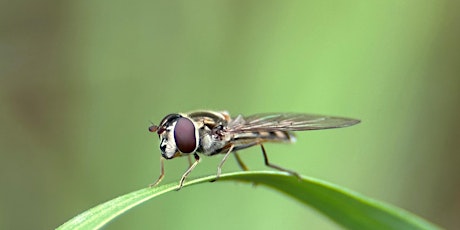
(80, 81)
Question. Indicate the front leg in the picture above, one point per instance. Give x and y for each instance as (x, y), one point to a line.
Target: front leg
(162, 173)
(189, 170)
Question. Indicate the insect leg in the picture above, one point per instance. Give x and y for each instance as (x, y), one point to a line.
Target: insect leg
(240, 162)
(162, 172)
(219, 168)
(267, 163)
(189, 170)
(189, 160)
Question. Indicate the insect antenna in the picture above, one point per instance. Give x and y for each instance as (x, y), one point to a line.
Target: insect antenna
(153, 128)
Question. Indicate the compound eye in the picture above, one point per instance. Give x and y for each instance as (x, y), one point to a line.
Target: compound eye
(184, 134)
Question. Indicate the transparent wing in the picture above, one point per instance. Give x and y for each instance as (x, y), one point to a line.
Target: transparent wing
(287, 122)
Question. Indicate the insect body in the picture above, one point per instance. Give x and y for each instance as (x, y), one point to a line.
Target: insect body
(211, 133)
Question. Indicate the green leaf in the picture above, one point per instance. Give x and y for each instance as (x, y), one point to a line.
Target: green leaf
(345, 207)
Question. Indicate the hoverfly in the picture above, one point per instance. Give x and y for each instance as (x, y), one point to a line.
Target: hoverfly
(211, 133)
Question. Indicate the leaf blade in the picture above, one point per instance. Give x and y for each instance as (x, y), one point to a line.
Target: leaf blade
(345, 207)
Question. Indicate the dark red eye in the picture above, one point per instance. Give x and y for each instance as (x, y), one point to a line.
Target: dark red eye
(184, 134)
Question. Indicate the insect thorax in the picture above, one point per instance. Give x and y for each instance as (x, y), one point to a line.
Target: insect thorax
(211, 140)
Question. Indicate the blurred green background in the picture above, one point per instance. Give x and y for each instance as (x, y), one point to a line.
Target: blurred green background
(80, 81)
